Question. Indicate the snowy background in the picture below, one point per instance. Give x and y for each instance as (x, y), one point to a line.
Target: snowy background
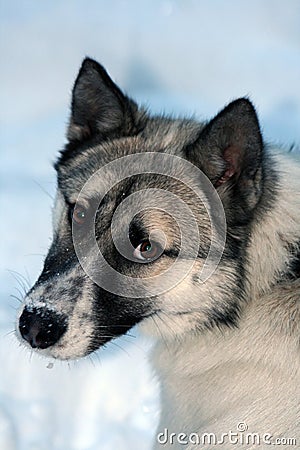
(176, 56)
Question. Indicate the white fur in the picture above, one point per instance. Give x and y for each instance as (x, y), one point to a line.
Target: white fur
(58, 210)
(212, 381)
(268, 253)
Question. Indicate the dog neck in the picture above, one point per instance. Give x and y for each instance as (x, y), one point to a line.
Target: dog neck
(210, 383)
(233, 372)
(274, 248)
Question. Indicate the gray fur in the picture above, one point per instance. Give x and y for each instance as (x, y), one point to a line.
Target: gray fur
(228, 348)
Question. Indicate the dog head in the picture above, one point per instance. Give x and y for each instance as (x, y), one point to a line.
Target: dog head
(145, 205)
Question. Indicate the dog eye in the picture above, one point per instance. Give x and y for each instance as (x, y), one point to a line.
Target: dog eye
(147, 251)
(79, 214)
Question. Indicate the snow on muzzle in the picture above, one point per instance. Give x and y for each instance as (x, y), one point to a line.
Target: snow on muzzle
(41, 327)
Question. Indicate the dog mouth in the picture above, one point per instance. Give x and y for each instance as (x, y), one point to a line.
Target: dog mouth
(70, 334)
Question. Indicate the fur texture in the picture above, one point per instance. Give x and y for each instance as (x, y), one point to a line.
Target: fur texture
(227, 347)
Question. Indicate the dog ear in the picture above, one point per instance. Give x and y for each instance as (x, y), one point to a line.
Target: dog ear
(229, 151)
(98, 105)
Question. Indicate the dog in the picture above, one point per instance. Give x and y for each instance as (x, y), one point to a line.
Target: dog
(192, 231)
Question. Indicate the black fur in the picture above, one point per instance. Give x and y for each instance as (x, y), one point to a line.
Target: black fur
(104, 125)
(293, 271)
(99, 111)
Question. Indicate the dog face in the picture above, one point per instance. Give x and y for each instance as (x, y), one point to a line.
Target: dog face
(141, 202)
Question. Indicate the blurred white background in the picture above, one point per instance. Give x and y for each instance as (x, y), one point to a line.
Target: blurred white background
(177, 56)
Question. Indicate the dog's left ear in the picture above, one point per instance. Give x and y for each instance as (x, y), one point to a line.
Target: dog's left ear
(229, 151)
(98, 105)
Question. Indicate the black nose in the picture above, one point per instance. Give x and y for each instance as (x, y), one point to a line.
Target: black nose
(41, 327)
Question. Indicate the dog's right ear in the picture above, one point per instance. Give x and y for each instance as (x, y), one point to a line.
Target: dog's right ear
(98, 105)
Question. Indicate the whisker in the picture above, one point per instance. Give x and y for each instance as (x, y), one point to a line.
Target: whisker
(169, 325)
(20, 276)
(16, 298)
(120, 347)
(91, 360)
(9, 333)
(15, 308)
(19, 279)
(28, 277)
(132, 343)
(97, 355)
(158, 329)
(21, 294)
(131, 335)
